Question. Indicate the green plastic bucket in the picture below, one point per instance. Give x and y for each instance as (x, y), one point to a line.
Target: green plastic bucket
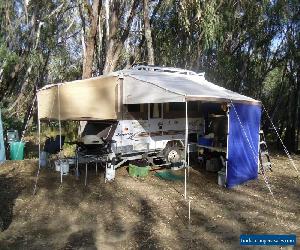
(16, 150)
(135, 171)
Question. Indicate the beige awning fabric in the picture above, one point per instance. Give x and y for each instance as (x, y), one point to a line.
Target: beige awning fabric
(100, 98)
(89, 99)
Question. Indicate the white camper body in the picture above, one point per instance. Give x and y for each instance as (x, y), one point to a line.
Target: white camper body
(151, 135)
(147, 131)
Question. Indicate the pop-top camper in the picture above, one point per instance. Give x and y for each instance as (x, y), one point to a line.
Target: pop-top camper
(146, 128)
(153, 112)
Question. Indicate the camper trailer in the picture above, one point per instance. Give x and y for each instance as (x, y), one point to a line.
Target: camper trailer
(157, 113)
(154, 129)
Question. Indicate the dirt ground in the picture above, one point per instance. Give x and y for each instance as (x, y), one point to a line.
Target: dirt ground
(145, 213)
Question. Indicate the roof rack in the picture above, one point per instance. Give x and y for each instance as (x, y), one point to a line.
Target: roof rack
(167, 69)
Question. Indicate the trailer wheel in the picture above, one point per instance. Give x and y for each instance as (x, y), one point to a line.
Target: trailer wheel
(173, 154)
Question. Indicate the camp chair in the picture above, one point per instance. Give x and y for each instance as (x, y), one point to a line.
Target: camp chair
(53, 146)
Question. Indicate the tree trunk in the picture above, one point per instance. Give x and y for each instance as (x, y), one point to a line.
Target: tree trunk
(90, 40)
(111, 24)
(116, 43)
(137, 55)
(148, 34)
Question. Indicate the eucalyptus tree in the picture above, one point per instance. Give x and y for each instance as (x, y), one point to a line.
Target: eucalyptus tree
(32, 33)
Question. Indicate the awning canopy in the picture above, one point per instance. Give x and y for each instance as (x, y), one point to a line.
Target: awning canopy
(142, 86)
(100, 98)
(89, 99)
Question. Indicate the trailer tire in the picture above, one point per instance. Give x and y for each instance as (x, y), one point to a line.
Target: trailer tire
(173, 154)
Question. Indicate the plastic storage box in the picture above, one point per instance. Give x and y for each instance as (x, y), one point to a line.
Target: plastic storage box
(205, 141)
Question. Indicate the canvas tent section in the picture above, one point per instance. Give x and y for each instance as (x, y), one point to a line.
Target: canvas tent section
(243, 143)
(89, 99)
(2, 148)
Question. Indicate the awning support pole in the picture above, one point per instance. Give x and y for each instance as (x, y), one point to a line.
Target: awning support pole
(85, 179)
(227, 141)
(59, 125)
(39, 139)
(185, 147)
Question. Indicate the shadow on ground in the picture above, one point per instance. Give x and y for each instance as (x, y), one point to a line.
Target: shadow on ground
(143, 213)
(9, 191)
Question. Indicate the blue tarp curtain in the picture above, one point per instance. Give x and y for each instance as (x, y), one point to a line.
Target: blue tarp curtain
(2, 148)
(243, 143)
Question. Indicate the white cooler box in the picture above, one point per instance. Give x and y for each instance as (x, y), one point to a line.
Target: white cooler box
(63, 165)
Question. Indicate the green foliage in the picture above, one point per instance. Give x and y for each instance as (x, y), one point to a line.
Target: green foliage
(8, 59)
(11, 122)
(248, 46)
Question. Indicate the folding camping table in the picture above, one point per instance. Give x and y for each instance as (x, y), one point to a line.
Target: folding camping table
(216, 149)
(86, 159)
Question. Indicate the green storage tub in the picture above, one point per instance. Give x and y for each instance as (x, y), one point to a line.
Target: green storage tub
(16, 150)
(136, 171)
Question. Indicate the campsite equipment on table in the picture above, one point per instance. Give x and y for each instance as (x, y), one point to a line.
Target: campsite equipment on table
(62, 166)
(137, 171)
(16, 150)
(264, 157)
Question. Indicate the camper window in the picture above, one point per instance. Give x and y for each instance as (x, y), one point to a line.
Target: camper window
(133, 108)
(177, 107)
(136, 111)
(174, 109)
(155, 110)
(193, 107)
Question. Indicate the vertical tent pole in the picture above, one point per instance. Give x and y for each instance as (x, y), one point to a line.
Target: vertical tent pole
(185, 146)
(39, 129)
(85, 179)
(59, 124)
(226, 162)
(39, 139)
(188, 160)
(185, 182)
(76, 157)
(190, 211)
